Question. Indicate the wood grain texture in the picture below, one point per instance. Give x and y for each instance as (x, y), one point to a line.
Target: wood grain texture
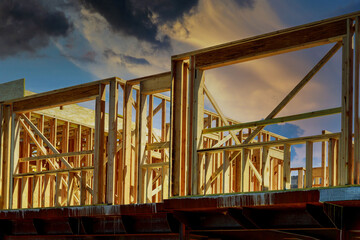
(112, 142)
(67, 96)
(273, 45)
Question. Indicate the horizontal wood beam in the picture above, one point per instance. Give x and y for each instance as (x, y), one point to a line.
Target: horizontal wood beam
(56, 98)
(272, 45)
(54, 172)
(266, 36)
(155, 165)
(298, 168)
(285, 40)
(291, 141)
(274, 120)
(68, 154)
(146, 78)
(160, 83)
(158, 95)
(157, 145)
(276, 153)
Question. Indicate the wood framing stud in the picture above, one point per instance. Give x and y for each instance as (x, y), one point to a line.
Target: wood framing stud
(99, 161)
(287, 159)
(309, 164)
(112, 140)
(55, 153)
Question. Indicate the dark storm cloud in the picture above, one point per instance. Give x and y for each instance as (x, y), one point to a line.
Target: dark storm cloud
(141, 18)
(246, 3)
(134, 60)
(26, 26)
(108, 53)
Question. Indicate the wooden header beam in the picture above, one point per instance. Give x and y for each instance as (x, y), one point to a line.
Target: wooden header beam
(85, 92)
(147, 78)
(272, 45)
(287, 40)
(161, 83)
(56, 99)
(69, 95)
(104, 81)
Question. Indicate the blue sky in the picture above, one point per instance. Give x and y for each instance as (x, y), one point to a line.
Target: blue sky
(49, 66)
(72, 42)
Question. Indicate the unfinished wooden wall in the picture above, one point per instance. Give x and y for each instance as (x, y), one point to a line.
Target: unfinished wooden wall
(143, 146)
(53, 159)
(247, 164)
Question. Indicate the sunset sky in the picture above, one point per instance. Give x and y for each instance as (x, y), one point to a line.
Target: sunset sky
(60, 43)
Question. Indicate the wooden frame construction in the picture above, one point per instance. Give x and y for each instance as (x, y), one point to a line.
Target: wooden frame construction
(239, 168)
(165, 143)
(58, 153)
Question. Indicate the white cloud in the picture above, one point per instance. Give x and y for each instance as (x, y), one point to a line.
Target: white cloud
(249, 91)
(298, 156)
(96, 33)
(246, 91)
(217, 22)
